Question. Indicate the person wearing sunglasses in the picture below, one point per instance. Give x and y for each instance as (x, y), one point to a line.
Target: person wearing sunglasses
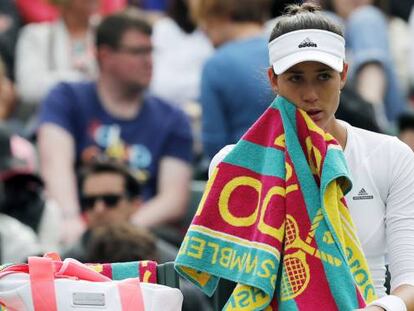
(117, 117)
(109, 194)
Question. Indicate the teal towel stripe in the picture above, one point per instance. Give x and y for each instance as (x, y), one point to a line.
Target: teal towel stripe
(313, 196)
(124, 270)
(339, 281)
(252, 266)
(262, 160)
(307, 182)
(289, 305)
(335, 167)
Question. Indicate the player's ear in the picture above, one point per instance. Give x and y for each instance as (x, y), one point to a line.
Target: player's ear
(273, 79)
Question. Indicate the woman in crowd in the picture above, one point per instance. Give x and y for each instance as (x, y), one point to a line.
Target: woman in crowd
(234, 91)
(373, 73)
(51, 52)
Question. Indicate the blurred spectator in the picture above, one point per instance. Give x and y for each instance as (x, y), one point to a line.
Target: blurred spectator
(18, 241)
(111, 6)
(150, 5)
(13, 115)
(411, 54)
(8, 98)
(232, 78)
(372, 71)
(24, 197)
(278, 6)
(35, 11)
(180, 52)
(406, 128)
(356, 111)
(117, 118)
(109, 196)
(398, 32)
(125, 242)
(401, 8)
(9, 27)
(121, 242)
(56, 51)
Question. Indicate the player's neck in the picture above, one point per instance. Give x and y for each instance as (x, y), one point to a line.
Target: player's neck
(338, 130)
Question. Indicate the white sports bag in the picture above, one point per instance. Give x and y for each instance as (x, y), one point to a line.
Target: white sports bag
(46, 285)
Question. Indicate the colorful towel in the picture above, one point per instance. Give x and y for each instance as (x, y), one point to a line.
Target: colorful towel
(146, 270)
(274, 219)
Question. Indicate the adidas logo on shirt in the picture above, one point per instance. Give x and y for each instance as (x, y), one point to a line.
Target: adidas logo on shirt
(307, 43)
(363, 195)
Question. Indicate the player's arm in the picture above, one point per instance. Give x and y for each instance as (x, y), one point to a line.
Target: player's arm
(400, 229)
(401, 299)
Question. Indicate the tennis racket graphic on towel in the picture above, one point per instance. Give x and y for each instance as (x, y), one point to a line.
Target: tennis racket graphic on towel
(296, 275)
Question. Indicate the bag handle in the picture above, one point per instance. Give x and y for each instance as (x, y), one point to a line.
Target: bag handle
(42, 284)
(73, 268)
(131, 295)
(41, 272)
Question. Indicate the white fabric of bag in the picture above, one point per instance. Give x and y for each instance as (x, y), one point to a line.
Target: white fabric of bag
(79, 295)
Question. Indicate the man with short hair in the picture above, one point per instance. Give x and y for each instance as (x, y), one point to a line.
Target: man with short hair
(109, 195)
(115, 117)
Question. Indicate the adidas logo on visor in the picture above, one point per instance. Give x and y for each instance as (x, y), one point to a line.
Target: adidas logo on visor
(307, 43)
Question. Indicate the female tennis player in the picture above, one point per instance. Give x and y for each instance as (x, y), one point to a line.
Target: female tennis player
(307, 56)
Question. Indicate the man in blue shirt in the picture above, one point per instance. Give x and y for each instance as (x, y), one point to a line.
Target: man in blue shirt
(116, 118)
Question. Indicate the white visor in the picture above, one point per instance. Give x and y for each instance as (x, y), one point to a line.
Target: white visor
(307, 45)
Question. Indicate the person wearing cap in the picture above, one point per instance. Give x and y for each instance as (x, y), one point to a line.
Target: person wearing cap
(308, 68)
(24, 198)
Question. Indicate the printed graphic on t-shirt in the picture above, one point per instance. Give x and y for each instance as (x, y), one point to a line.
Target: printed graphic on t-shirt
(363, 195)
(109, 142)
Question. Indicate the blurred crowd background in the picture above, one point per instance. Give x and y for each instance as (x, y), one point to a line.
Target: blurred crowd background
(110, 111)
